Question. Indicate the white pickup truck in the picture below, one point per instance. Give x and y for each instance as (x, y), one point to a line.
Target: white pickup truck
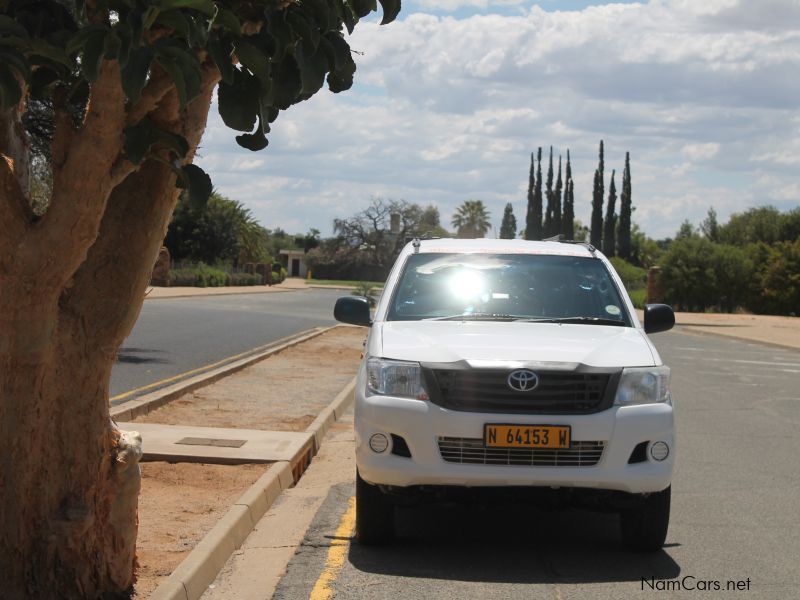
(511, 367)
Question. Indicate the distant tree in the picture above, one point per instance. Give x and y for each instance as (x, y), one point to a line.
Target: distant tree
(366, 237)
(221, 231)
(533, 221)
(710, 227)
(556, 229)
(625, 211)
(568, 219)
(581, 231)
(596, 232)
(430, 223)
(609, 233)
(549, 194)
(776, 285)
(762, 224)
(309, 241)
(508, 228)
(645, 252)
(686, 230)
(471, 220)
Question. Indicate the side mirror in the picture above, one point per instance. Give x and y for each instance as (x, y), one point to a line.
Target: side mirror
(658, 317)
(353, 310)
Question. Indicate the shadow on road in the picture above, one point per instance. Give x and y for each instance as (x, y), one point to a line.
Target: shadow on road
(140, 356)
(510, 544)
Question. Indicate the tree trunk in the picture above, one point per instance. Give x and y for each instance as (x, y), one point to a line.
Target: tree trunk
(69, 479)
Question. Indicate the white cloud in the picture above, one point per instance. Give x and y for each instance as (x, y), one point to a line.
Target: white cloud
(450, 108)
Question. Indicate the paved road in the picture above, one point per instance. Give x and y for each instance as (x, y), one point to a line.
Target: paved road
(736, 501)
(176, 335)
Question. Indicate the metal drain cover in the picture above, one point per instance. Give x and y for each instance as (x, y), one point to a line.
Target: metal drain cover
(193, 441)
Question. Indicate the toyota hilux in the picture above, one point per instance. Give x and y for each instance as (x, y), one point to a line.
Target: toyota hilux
(516, 367)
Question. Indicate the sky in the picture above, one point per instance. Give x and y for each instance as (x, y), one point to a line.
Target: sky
(452, 98)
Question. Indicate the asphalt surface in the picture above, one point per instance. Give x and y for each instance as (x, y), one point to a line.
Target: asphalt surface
(176, 335)
(735, 507)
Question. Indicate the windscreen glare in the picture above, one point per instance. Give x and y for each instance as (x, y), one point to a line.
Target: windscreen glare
(533, 286)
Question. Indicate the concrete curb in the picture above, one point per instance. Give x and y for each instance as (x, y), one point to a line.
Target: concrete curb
(192, 577)
(127, 411)
(205, 294)
(331, 413)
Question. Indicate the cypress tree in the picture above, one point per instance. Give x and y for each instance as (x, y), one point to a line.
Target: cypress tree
(537, 198)
(548, 218)
(609, 233)
(529, 215)
(625, 210)
(557, 202)
(596, 231)
(508, 228)
(569, 211)
(568, 220)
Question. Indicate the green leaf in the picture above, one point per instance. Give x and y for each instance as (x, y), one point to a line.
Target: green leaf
(10, 28)
(134, 74)
(173, 141)
(138, 140)
(10, 91)
(348, 16)
(176, 21)
(280, 34)
(286, 82)
(340, 78)
(182, 66)
(238, 102)
(176, 74)
(220, 51)
(391, 8)
(204, 6)
(198, 183)
(308, 34)
(253, 141)
(312, 70)
(227, 19)
(255, 60)
(361, 8)
(93, 51)
(12, 58)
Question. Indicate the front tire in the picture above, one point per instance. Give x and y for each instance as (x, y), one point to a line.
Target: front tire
(644, 528)
(374, 514)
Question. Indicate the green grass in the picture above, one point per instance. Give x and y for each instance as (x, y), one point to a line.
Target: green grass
(378, 284)
(638, 297)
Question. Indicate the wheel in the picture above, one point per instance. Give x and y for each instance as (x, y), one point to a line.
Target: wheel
(374, 514)
(644, 528)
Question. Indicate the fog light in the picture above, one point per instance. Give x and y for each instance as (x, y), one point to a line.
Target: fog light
(659, 451)
(379, 443)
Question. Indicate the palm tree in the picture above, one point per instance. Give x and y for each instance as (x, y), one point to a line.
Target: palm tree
(471, 219)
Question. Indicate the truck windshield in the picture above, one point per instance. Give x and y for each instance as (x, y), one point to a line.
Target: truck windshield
(507, 287)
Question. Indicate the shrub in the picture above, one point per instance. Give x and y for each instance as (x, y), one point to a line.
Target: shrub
(633, 277)
(183, 277)
(363, 288)
(244, 279)
(210, 277)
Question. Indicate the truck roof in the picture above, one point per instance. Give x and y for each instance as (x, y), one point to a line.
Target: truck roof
(494, 246)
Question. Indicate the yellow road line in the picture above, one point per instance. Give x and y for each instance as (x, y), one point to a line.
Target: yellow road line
(163, 382)
(336, 554)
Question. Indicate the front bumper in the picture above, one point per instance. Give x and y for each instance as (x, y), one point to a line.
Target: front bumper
(421, 423)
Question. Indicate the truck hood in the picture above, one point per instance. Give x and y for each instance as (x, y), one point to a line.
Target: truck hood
(482, 343)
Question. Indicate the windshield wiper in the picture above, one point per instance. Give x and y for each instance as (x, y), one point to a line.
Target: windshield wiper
(476, 316)
(588, 320)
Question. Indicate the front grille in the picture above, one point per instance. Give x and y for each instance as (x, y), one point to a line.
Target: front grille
(471, 451)
(487, 390)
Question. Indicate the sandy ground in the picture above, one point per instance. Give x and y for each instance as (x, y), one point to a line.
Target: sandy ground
(283, 393)
(180, 502)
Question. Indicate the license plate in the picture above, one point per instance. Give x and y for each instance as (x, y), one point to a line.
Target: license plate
(526, 436)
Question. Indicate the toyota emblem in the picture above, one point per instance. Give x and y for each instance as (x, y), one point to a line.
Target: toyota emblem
(523, 380)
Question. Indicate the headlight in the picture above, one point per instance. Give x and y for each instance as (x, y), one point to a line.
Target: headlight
(395, 378)
(643, 385)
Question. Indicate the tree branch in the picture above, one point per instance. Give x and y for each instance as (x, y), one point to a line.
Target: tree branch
(108, 288)
(157, 87)
(82, 184)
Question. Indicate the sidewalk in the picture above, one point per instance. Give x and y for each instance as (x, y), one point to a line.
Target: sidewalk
(778, 331)
(287, 285)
